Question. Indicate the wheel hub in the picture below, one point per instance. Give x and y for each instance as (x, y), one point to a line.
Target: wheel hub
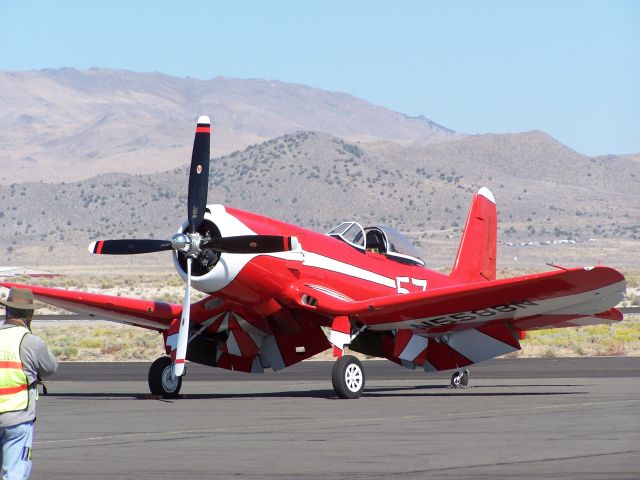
(169, 380)
(353, 377)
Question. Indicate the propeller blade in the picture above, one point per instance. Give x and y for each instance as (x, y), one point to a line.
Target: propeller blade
(251, 244)
(183, 332)
(199, 174)
(128, 247)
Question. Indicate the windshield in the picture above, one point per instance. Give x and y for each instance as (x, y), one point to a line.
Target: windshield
(349, 232)
(393, 244)
(398, 243)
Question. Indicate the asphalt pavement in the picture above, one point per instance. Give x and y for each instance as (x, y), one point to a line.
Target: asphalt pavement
(522, 418)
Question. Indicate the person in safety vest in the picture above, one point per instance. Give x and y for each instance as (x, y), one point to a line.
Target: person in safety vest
(24, 358)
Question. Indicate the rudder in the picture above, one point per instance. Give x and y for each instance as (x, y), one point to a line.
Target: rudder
(476, 258)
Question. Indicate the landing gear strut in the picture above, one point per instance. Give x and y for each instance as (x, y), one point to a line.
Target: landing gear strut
(460, 379)
(162, 381)
(348, 377)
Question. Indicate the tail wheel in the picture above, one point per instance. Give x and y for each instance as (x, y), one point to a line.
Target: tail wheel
(348, 377)
(460, 379)
(162, 381)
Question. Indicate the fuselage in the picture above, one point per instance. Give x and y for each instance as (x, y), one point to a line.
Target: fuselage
(322, 261)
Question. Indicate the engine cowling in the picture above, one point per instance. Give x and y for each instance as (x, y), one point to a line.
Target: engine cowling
(212, 270)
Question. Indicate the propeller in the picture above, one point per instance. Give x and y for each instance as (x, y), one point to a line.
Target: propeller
(199, 174)
(128, 247)
(251, 244)
(183, 332)
(196, 206)
(190, 243)
(193, 243)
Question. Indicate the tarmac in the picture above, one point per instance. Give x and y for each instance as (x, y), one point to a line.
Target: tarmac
(522, 418)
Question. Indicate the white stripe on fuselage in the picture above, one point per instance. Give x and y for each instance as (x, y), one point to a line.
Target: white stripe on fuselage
(319, 261)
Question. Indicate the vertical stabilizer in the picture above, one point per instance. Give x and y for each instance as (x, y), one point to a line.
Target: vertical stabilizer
(476, 258)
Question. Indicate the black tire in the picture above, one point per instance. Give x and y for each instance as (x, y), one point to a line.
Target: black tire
(464, 381)
(161, 379)
(460, 379)
(348, 377)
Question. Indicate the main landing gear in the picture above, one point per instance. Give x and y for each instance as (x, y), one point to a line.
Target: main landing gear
(460, 379)
(162, 381)
(348, 377)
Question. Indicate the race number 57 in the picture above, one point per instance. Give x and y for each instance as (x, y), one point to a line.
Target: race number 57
(408, 281)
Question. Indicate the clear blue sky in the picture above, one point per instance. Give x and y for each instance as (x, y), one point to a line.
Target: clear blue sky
(570, 68)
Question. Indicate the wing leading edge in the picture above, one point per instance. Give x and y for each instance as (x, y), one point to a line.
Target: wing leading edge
(132, 311)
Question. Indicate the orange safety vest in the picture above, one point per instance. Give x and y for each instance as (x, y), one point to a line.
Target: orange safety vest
(14, 385)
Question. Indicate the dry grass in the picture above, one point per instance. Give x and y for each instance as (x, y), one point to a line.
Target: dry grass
(102, 342)
(622, 338)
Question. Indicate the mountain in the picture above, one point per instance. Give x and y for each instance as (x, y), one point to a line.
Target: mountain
(67, 124)
(544, 191)
(104, 154)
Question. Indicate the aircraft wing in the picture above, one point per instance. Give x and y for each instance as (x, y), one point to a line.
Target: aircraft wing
(453, 327)
(560, 298)
(141, 313)
(249, 344)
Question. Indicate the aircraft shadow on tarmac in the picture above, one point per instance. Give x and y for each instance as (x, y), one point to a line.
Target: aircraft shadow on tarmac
(391, 391)
(416, 391)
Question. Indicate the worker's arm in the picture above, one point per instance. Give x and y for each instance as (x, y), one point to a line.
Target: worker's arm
(37, 358)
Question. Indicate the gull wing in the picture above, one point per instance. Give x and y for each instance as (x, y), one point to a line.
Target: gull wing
(531, 301)
(132, 311)
(456, 326)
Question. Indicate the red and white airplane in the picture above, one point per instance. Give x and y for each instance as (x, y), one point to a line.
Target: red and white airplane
(272, 286)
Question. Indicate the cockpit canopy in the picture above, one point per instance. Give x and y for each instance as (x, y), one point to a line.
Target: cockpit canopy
(384, 240)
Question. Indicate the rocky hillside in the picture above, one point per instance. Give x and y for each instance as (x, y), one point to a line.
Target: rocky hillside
(545, 192)
(293, 152)
(64, 125)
